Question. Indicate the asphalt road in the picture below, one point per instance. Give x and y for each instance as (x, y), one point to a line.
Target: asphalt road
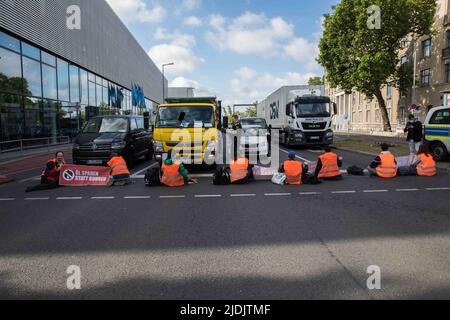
(259, 241)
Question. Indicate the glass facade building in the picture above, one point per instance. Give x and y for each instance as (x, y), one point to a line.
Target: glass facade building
(43, 95)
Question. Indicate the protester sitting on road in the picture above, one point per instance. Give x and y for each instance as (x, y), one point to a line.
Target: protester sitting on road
(119, 171)
(425, 165)
(50, 176)
(173, 173)
(328, 165)
(385, 165)
(295, 171)
(241, 170)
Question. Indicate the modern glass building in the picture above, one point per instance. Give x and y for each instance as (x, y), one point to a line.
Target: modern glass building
(53, 78)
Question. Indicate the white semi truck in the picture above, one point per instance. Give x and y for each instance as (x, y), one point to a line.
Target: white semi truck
(301, 113)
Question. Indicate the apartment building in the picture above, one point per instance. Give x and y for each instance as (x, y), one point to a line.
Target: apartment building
(432, 57)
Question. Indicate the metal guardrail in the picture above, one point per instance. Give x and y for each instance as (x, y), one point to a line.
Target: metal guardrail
(31, 144)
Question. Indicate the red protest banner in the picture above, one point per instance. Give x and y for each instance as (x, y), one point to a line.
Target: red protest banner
(83, 176)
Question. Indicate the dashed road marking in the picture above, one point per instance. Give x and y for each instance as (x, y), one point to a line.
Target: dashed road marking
(243, 195)
(407, 190)
(343, 192)
(277, 194)
(309, 193)
(137, 197)
(7, 199)
(37, 199)
(375, 191)
(102, 198)
(208, 196)
(438, 189)
(69, 198)
(172, 197)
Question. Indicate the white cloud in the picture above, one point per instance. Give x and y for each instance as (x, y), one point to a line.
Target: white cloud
(303, 51)
(249, 33)
(137, 11)
(249, 85)
(193, 21)
(199, 89)
(176, 38)
(184, 58)
(191, 4)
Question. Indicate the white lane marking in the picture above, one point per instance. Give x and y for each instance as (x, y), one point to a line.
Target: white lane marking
(375, 191)
(137, 197)
(309, 193)
(204, 175)
(208, 196)
(406, 190)
(102, 198)
(438, 189)
(343, 192)
(243, 195)
(69, 198)
(277, 194)
(297, 156)
(36, 199)
(7, 199)
(144, 170)
(171, 197)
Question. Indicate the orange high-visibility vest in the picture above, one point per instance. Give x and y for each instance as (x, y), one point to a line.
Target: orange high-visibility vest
(330, 168)
(427, 166)
(54, 175)
(293, 170)
(388, 168)
(118, 166)
(239, 169)
(171, 175)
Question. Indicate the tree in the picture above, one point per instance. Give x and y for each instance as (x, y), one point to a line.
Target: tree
(315, 81)
(357, 55)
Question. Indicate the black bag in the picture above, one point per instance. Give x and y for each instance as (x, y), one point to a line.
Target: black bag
(355, 171)
(222, 177)
(312, 179)
(407, 171)
(152, 178)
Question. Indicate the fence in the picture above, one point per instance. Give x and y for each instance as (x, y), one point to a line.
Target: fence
(31, 144)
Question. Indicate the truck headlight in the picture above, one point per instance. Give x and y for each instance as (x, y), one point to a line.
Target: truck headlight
(329, 134)
(298, 135)
(118, 145)
(158, 146)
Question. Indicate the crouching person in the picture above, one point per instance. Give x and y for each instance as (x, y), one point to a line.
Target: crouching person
(295, 171)
(119, 171)
(50, 176)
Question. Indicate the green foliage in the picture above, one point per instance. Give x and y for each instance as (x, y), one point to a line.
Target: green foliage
(316, 81)
(357, 57)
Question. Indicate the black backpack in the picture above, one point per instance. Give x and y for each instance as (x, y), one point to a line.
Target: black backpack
(152, 178)
(355, 171)
(221, 177)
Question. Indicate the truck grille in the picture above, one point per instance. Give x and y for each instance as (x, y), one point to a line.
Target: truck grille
(315, 126)
(98, 147)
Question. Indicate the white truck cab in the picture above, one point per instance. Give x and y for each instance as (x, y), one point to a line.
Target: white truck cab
(437, 132)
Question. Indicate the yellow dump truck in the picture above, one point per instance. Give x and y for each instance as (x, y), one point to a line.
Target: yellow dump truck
(189, 128)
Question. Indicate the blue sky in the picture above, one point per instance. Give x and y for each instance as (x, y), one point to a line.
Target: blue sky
(238, 50)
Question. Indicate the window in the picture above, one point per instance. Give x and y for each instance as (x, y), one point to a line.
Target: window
(448, 39)
(32, 77)
(9, 42)
(11, 117)
(84, 86)
(404, 42)
(425, 76)
(49, 82)
(91, 77)
(48, 58)
(31, 52)
(92, 96)
(447, 72)
(403, 60)
(133, 125)
(33, 123)
(10, 71)
(441, 117)
(389, 92)
(426, 48)
(368, 116)
(50, 118)
(140, 123)
(74, 72)
(63, 80)
(99, 95)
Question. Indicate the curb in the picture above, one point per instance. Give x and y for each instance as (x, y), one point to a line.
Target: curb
(5, 180)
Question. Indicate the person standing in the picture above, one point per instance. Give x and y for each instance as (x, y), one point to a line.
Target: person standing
(328, 165)
(236, 134)
(294, 170)
(50, 176)
(414, 130)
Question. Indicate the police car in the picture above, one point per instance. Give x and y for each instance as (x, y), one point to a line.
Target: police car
(437, 132)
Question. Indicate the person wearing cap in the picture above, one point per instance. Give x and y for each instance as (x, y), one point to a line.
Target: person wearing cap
(385, 165)
(119, 171)
(414, 130)
(328, 165)
(294, 170)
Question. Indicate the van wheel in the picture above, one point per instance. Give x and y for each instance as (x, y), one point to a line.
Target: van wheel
(129, 159)
(439, 151)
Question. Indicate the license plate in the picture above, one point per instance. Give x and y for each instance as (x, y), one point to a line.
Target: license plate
(94, 162)
(315, 138)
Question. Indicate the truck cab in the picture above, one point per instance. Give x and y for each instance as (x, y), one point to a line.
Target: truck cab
(189, 128)
(437, 132)
(308, 121)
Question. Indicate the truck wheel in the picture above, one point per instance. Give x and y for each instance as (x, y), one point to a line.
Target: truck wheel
(439, 151)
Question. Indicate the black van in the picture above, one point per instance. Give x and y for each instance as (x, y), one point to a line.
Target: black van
(104, 135)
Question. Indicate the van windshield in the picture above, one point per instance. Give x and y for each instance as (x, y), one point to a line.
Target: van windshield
(185, 117)
(107, 125)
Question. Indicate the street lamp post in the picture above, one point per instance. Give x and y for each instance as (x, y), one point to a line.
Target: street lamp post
(164, 78)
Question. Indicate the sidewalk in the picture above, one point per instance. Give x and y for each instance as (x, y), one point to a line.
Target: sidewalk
(22, 162)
